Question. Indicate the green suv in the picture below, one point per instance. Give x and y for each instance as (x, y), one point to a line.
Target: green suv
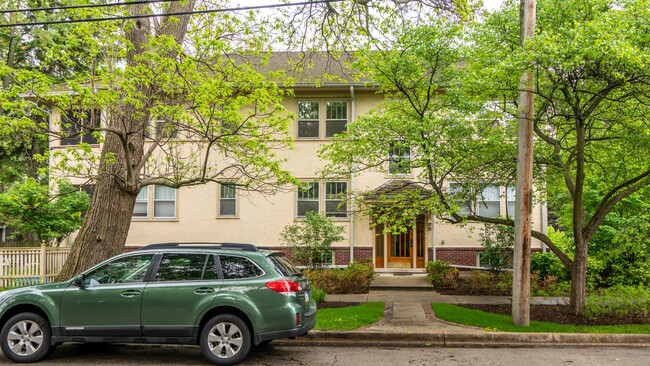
(225, 298)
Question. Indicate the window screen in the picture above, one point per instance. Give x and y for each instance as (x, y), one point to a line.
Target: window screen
(489, 204)
(141, 208)
(228, 200)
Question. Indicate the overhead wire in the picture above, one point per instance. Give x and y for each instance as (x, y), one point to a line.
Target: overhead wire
(135, 2)
(194, 12)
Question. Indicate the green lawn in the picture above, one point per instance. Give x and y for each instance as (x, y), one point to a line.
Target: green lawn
(349, 318)
(491, 321)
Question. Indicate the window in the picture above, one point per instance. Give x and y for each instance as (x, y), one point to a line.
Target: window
(335, 199)
(227, 199)
(489, 204)
(181, 267)
(336, 118)
(77, 126)
(141, 208)
(122, 270)
(283, 266)
(166, 129)
(458, 194)
(164, 202)
(399, 161)
(510, 201)
(308, 199)
(308, 119)
(235, 268)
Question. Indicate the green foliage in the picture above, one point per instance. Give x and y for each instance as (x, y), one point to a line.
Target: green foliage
(478, 318)
(350, 317)
(30, 209)
(441, 274)
(497, 242)
(353, 279)
(622, 302)
(311, 239)
(318, 295)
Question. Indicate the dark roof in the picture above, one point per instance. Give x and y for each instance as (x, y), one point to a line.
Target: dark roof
(395, 187)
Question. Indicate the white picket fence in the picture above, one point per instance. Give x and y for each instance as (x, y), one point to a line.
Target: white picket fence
(30, 266)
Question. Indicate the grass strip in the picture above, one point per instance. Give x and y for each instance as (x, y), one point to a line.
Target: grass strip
(503, 323)
(349, 318)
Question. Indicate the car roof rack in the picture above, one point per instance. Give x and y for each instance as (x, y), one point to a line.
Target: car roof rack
(203, 245)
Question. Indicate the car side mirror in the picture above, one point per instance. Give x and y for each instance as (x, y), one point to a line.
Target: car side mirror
(79, 281)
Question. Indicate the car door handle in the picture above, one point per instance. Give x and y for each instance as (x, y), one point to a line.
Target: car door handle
(130, 293)
(203, 290)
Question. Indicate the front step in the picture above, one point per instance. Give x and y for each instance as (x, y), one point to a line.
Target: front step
(401, 281)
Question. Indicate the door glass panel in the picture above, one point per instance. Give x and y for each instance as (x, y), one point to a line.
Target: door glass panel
(181, 267)
(122, 270)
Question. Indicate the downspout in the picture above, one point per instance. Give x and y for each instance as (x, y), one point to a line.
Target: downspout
(351, 183)
(544, 224)
(434, 237)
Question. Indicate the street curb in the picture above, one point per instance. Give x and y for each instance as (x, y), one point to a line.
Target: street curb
(457, 339)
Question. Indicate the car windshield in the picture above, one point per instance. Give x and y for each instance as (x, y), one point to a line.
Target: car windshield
(283, 266)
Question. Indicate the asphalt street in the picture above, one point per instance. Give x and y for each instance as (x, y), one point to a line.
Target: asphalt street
(105, 354)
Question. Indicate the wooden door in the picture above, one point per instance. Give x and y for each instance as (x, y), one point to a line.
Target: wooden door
(379, 246)
(400, 250)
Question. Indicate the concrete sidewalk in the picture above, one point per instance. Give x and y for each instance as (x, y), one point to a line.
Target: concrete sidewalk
(409, 321)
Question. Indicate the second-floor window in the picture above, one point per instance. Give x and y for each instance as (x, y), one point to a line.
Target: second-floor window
(308, 119)
(399, 160)
(311, 122)
(336, 199)
(77, 126)
(166, 129)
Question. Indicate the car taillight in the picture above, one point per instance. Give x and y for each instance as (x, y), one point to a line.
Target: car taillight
(285, 287)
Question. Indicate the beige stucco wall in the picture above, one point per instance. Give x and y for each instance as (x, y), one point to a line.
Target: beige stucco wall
(260, 219)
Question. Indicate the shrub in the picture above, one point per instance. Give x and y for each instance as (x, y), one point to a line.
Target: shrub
(353, 279)
(318, 295)
(497, 241)
(310, 239)
(442, 275)
(484, 283)
(621, 302)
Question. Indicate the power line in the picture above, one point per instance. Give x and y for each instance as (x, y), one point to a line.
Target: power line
(223, 10)
(84, 6)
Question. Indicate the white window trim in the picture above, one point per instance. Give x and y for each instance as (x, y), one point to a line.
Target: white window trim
(146, 201)
(151, 205)
(298, 120)
(347, 116)
(236, 214)
(298, 199)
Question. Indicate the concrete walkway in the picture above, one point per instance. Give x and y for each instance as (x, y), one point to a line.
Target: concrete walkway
(432, 296)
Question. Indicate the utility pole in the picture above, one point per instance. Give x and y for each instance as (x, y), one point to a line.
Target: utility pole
(524, 198)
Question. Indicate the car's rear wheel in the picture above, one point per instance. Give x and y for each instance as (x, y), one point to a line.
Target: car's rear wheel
(26, 337)
(225, 340)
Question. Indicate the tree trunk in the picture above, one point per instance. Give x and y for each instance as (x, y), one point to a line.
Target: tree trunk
(105, 228)
(579, 276)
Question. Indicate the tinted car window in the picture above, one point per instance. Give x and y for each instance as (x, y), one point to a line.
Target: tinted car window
(211, 269)
(283, 266)
(181, 267)
(122, 270)
(238, 267)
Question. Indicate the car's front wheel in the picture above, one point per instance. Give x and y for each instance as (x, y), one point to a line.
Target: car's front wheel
(225, 340)
(26, 337)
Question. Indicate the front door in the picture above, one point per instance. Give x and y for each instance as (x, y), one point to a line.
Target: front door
(400, 250)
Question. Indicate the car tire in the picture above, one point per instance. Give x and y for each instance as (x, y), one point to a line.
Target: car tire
(225, 340)
(26, 338)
